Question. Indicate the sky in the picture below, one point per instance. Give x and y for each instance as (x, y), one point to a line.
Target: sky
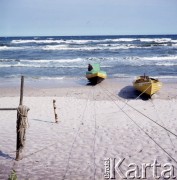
(87, 17)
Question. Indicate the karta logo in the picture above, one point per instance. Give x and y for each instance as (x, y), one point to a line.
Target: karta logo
(114, 170)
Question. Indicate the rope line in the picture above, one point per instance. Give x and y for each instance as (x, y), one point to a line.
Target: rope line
(82, 118)
(95, 132)
(143, 114)
(155, 111)
(162, 123)
(126, 103)
(141, 128)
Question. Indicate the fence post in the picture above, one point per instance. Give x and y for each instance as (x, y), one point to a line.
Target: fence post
(22, 123)
(21, 90)
(54, 107)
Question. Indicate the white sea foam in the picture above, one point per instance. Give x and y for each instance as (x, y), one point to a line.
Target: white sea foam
(37, 41)
(174, 41)
(53, 60)
(47, 65)
(157, 40)
(159, 58)
(174, 44)
(124, 40)
(55, 47)
(72, 41)
(106, 62)
(6, 48)
(166, 64)
(90, 48)
(40, 65)
(4, 65)
(51, 41)
(154, 58)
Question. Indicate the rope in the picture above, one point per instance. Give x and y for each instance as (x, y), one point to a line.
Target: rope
(162, 123)
(22, 112)
(143, 114)
(141, 128)
(22, 125)
(79, 127)
(95, 132)
(137, 96)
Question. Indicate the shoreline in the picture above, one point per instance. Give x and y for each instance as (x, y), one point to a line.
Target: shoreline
(58, 87)
(59, 82)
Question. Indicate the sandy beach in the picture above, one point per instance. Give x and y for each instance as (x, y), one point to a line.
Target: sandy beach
(95, 123)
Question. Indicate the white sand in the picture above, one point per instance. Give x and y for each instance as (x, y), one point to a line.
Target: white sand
(91, 128)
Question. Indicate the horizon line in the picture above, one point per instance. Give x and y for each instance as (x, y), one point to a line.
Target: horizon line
(90, 35)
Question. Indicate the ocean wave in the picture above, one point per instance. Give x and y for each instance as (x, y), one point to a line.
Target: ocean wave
(55, 47)
(9, 60)
(52, 41)
(53, 60)
(91, 48)
(87, 59)
(159, 58)
(133, 59)
(124, 40)
(38, 66)
(72, 41)
(42, 60)
(157, 40)
(174, 41)
(47, 66)
(6, 48)
(174, 44)
(106, 62)
(37, 41)
(93, 41)
(166, 64)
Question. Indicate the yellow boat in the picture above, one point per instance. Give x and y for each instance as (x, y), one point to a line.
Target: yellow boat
(147, 85)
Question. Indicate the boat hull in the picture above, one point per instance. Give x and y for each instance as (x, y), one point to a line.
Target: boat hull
(149, 88)
(96, 77)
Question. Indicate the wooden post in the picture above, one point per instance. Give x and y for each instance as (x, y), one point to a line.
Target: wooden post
(54, 107)
(21, 123)
(21, 90)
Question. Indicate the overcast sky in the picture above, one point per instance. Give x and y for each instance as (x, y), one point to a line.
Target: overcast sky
(87, 17)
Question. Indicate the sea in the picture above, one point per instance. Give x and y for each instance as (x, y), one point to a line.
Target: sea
(62, 57)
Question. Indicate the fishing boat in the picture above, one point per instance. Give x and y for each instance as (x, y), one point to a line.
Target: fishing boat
(147, 85)
(94, 74)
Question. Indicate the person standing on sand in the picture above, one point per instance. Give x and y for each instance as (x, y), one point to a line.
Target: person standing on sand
(90, 67)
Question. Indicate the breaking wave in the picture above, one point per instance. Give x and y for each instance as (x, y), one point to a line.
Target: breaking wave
(160, 58)
(6, 48)
(38, 56)
(91, 48)
(73, 41)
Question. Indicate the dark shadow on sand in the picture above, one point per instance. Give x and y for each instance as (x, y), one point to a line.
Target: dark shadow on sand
(129, 92)
(91, 84)
(2, 154)
(42, 121)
